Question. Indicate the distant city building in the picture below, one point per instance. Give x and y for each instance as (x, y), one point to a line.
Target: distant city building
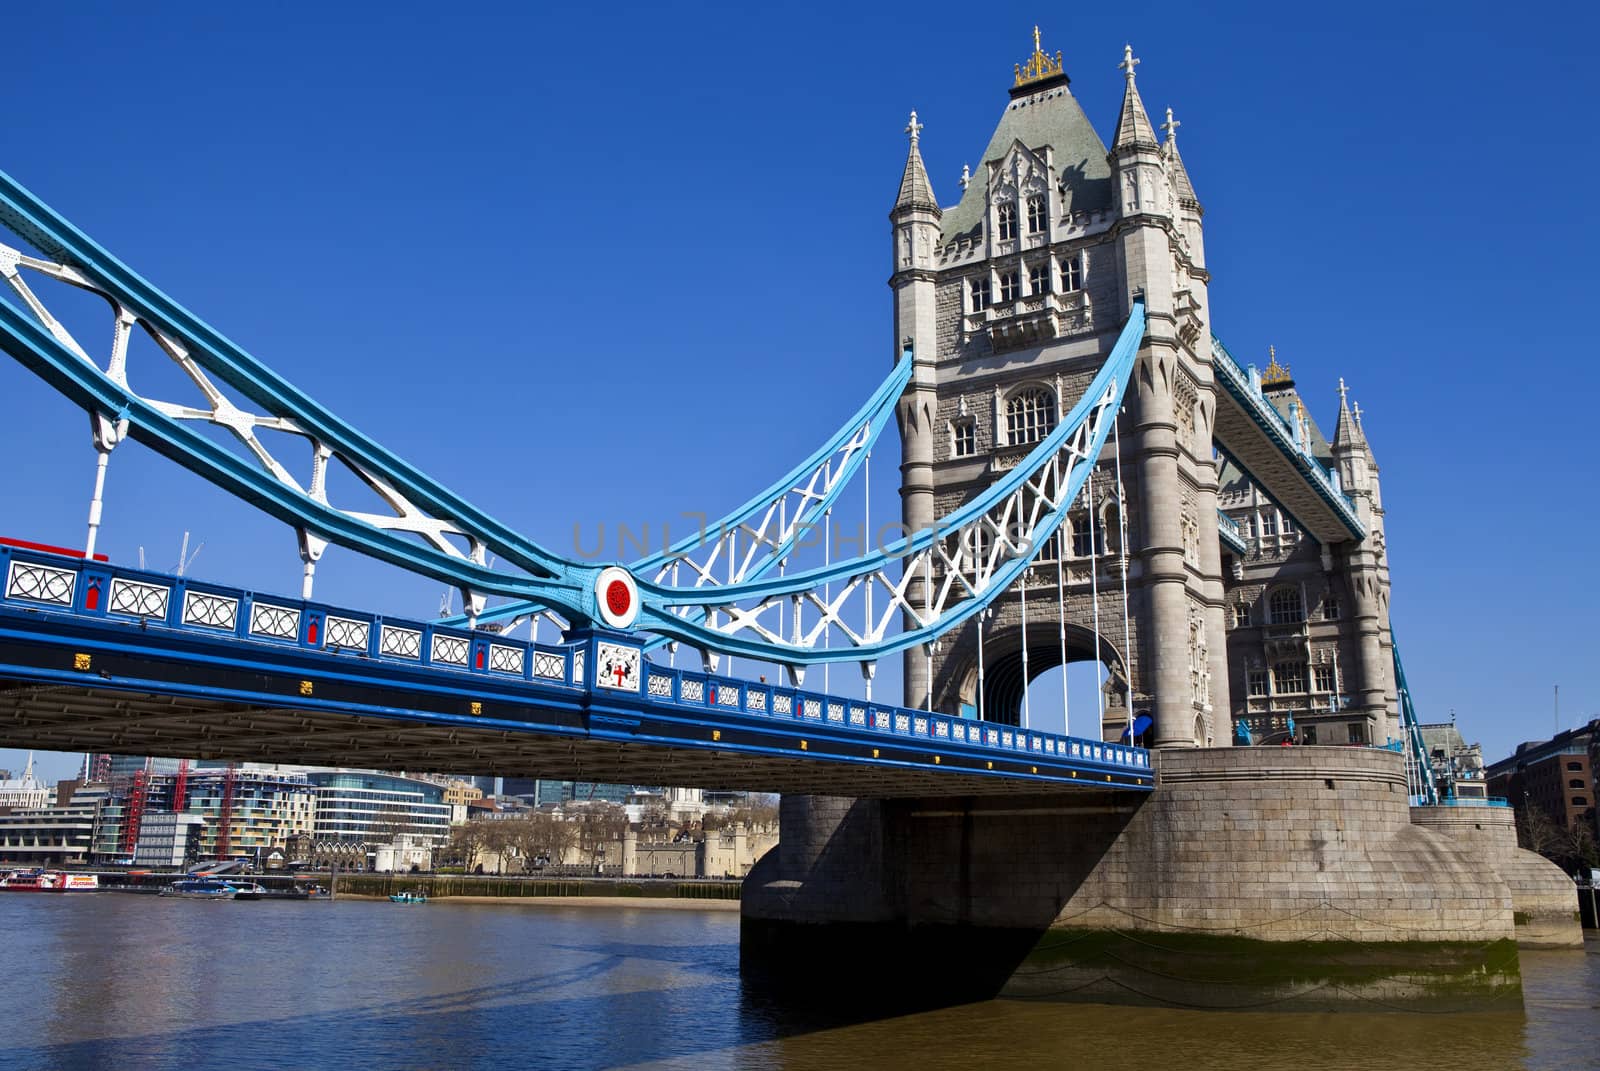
(266, 808)
(23, 792)
(367, 807)
(1556, 775)
(1458, 764)
(169, 840)
(51, 835)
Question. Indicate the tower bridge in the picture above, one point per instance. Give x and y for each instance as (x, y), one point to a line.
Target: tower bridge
(1086, 474)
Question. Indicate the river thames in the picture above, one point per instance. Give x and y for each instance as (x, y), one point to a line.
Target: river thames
(131, 982)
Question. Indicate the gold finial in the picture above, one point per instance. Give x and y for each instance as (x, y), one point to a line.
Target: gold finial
(1039, 66)
(1276, 373)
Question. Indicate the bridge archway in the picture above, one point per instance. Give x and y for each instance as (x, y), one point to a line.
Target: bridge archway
(1005, 684)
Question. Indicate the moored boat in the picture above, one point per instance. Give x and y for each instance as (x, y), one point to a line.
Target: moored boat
(408, 897)
(248, 890)
(201, 889)
(40, 880)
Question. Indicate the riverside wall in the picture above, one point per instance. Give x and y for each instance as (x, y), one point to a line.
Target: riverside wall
(1251, 878)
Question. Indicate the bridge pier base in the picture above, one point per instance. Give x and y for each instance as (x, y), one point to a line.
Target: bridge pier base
(1251, 878)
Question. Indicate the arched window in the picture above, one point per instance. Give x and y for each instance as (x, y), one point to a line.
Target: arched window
(1006, 217)
(1576, 783)
(1285, 607)
(1084, 541)
(1035, 215)
(1030, 416)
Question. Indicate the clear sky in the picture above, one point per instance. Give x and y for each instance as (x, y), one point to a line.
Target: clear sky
(591, 264)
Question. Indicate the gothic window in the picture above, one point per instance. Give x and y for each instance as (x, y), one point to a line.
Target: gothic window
(1039, 279)
(1288, 678)
(1285, 607)
(1250, 526)
(1085, 541)
(1071, 275)
(1330, 606)
(1035, 215)
(1008, 286)
(1358, 732)
(1030, 416)
(1308, 735)
(1288, 525)
(1323, 677)
(1258, 682)
(1269, 522)
(979, 289)
(1006, 218)
(964, 439)
(1241, 615)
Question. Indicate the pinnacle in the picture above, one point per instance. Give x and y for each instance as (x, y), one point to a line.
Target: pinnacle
(916, 190)
(1133, 124)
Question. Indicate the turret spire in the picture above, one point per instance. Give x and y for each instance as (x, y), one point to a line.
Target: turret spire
(1182, 188)
(1133, 125)
(1347, 433)
(916, 190)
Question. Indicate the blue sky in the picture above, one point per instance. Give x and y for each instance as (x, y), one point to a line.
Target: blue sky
(607, 263)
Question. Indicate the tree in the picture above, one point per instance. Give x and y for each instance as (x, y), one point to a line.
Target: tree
(1537, 832)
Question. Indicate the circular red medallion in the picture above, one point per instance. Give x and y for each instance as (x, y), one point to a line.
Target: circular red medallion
(618, 598)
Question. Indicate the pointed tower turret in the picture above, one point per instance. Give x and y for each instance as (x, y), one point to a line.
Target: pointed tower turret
(916, 191)
(1367, 568)
(1133, 124)
(916, 223)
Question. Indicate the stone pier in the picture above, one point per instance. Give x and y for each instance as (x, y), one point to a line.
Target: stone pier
(1251, 878)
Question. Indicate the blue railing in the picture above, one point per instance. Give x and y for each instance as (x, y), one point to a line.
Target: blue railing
(39, 581)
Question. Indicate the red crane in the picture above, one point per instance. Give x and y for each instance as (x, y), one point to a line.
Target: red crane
(134, 816)
(180, 787)
(225, 813)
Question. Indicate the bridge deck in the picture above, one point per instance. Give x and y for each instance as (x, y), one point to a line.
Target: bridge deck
(133, 670)
(1255, 435)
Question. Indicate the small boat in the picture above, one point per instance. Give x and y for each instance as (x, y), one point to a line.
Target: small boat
(408, 897)
(201, 889)
(248, 890)
(40, 880)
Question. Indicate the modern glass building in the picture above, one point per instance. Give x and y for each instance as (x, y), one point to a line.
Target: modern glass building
(369, 807)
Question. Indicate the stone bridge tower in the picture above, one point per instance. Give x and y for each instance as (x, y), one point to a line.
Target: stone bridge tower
(1011, 301)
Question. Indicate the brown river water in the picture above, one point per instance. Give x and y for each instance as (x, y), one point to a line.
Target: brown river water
(129, 982)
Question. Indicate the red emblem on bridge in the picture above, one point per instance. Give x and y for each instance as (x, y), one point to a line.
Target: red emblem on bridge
(617, 596)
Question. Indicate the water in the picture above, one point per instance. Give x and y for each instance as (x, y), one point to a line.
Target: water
(135, 982)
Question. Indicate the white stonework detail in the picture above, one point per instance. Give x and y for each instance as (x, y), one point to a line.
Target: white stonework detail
(693, 691)
(727, 695)
(782, 704)
(660, 686)
(577, 668)
(755, 700)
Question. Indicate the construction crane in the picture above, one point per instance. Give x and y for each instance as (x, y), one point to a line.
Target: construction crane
(134, 816)
(225, 813)
(180, 787)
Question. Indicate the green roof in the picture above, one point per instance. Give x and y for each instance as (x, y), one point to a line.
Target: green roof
(1051, 117)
